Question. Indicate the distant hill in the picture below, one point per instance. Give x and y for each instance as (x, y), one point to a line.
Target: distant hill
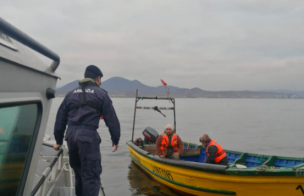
(286, 92)
(121, 87)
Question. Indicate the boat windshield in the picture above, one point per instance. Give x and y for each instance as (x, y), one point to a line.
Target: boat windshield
(17, 127)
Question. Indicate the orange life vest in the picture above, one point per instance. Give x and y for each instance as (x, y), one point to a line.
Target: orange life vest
(165, 142)
(220, 154)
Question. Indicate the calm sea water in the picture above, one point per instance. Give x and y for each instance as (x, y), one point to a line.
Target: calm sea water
(266, 126)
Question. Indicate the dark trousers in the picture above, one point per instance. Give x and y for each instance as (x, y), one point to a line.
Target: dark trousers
(84, 154)
(170, 153)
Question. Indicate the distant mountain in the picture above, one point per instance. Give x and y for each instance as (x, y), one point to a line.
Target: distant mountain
(121, 87)
(285, 91)
(66, 88)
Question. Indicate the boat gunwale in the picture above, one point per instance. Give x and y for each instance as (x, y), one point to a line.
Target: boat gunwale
(228, 170)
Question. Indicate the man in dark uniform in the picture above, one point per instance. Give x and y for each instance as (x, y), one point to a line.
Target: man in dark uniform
(81, 110)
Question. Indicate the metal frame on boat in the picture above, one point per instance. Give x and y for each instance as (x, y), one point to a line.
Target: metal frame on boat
(153, 108)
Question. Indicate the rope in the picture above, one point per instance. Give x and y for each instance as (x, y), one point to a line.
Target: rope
(262, 168)
(265, 167)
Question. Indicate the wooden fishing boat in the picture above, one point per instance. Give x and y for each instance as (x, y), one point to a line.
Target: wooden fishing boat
(247, 174)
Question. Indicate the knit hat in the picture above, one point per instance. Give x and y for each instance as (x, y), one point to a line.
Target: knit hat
(93, 72)
(169, 126)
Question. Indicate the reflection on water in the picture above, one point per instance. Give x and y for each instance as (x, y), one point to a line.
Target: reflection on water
(142, 184)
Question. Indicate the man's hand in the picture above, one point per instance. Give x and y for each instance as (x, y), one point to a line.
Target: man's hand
(176, 154)
(162, 156)
(56, 147)
(116, 147)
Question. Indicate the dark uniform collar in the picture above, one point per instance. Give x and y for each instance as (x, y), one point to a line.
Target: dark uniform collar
(87, 82)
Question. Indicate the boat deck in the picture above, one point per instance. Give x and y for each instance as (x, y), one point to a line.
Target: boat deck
(56, 174)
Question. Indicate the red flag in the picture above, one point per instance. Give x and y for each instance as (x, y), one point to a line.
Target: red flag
(164, 83)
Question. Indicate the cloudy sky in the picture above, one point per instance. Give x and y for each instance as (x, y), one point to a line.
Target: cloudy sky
(213, 45)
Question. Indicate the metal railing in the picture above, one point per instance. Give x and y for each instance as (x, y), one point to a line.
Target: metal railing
(50, 173)
(151, 97)
(18, 35)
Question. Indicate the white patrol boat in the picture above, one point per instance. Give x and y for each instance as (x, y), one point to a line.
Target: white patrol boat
(28, 163)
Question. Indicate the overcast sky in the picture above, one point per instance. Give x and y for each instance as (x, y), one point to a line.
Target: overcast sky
(213, 45)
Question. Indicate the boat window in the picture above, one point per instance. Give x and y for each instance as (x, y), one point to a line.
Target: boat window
(6, 41)
(17, 128)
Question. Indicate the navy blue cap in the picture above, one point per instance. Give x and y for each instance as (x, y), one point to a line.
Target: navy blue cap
(92, 71)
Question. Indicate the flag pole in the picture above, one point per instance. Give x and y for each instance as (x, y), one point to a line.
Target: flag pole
(165, 85)
(167, 91)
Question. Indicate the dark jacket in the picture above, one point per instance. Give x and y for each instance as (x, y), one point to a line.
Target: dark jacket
(86, 115)
(211, 158)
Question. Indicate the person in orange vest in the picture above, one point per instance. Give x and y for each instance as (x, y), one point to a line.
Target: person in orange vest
(169, 144)
(215, 154)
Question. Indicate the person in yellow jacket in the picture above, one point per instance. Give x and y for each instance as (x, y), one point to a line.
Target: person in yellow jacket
(169, 144)
(215, 154)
